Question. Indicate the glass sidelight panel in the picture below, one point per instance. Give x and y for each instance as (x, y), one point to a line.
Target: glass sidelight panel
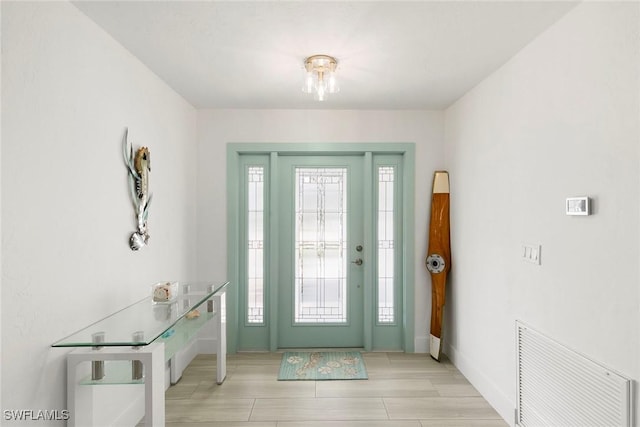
(320, 245)
(386, 238)
(255, 244)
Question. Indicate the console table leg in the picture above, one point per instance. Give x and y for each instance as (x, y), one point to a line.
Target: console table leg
(221, 341)
(154, 386)
(79, 405)
(80, 399)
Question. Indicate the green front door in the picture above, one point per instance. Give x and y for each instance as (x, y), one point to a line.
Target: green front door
(320, 290)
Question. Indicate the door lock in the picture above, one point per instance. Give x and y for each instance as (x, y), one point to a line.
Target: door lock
(359, 248)
(358, 261)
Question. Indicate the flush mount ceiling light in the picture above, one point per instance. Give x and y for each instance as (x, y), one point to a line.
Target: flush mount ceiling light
(320, 76)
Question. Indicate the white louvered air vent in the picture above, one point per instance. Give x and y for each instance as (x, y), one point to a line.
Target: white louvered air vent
(558, 387)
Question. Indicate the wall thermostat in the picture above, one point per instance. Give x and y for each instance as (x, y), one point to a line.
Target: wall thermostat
(578, 206)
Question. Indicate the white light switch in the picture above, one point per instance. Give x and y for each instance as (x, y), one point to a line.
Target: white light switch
(531, 253)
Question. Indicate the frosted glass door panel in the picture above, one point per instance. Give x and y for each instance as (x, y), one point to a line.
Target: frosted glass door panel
(320, 245)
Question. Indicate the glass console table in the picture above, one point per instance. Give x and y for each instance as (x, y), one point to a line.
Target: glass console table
(137, 342)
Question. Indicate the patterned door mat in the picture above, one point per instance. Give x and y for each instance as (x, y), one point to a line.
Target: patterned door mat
(322, 365)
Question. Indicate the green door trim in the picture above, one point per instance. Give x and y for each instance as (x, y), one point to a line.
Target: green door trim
(274, 151)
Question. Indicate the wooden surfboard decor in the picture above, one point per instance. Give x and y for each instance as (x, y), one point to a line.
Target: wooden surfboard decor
(438, 260)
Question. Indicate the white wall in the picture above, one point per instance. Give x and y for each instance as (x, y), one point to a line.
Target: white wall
(1, 275)
(560, 119)
(218, 127)
(68, 92)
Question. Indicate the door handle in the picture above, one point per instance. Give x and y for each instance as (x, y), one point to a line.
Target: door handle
(358, 261)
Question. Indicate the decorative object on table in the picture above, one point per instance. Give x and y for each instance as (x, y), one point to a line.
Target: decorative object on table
(193, 314)
(168, 334)
(164, 292)
(578, 206)
(138, 166)
(322, 365)
(438, 260)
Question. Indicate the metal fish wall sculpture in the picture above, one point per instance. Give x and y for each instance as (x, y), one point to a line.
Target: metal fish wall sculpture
(138, 166)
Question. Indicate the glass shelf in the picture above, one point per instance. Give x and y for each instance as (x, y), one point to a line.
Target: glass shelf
(145, 321)
(116, 372)
(179, 335)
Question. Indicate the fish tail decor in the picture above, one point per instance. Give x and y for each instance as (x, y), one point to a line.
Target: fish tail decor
(138, 168)
(142, 165)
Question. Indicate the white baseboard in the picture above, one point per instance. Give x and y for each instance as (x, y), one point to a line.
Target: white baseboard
(421, 344)
(500, 402)
(207, 346)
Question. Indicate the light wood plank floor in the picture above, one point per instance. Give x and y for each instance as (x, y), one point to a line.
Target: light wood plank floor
(403, 390)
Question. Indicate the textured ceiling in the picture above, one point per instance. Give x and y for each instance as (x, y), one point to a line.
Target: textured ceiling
(391, 54)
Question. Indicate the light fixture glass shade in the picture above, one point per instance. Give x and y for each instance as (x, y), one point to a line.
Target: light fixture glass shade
(332, 83)
(321, 89)
(309, 84)
(320, 76)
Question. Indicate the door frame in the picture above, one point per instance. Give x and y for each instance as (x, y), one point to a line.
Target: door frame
(368, 150)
